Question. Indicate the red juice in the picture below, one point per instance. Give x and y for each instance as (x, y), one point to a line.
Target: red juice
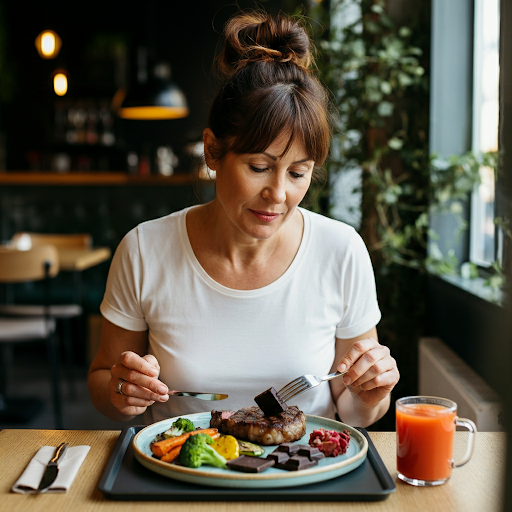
(425, 434)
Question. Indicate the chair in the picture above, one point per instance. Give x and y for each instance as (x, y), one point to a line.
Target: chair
(17, 266)
(64, 313)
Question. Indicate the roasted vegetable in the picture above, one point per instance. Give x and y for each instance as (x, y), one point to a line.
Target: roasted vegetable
(172, 455)
(247, 448)
(179, 427)
(227, 446)
(160, 448)
(197, 450)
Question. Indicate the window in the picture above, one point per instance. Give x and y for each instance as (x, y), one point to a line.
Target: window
(465, 112)
(484, 246)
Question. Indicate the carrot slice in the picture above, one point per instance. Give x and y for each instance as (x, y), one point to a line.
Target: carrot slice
(172, 455)
(160, 448)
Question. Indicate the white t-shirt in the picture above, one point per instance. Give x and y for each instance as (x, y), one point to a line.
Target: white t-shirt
(213, 339)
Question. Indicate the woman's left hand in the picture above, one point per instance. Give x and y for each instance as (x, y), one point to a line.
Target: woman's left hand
(372, 372)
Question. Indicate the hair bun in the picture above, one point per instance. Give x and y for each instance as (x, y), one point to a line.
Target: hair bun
(256, 36)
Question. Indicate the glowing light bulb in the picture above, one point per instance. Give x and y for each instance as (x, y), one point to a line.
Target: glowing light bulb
(48, 44)
(60, 84)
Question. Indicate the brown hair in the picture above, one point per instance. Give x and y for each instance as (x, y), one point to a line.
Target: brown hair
(269, 88)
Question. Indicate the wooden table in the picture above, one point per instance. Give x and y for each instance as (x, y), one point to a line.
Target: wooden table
(74, 260)
(475, 487)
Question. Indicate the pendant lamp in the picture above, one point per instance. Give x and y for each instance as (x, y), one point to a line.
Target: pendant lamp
(153, 97)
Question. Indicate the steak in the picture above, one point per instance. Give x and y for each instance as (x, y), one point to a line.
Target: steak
(251, 424)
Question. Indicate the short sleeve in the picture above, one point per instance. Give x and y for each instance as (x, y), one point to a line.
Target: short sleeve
(121, 303)
(360, 306)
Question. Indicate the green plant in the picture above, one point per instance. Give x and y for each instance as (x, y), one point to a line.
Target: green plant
(371, 67)
(378, 75)
(451, 182)
(375, 71)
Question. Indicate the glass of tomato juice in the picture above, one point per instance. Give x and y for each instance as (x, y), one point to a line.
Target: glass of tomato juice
(425, 431)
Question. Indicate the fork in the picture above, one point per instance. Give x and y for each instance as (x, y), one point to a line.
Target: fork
(304, 383)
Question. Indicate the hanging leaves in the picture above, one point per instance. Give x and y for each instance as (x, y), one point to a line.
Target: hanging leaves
(380, 96)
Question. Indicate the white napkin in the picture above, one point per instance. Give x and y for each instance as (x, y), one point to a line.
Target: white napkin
(30, 479)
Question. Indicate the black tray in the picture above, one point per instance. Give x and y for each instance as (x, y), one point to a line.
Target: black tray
(126, 479)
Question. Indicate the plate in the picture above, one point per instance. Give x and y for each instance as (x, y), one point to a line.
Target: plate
(327, 468)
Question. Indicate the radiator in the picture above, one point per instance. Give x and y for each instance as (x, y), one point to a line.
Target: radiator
(443, 373)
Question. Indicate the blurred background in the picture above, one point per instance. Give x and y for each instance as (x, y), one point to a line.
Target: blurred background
(419, 97)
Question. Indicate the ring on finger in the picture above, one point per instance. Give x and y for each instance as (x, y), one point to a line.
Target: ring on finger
(120, 386)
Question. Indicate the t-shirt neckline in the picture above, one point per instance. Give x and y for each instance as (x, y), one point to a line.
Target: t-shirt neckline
(205, 277)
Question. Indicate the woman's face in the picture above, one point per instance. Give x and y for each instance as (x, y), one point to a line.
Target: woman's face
(259, 192)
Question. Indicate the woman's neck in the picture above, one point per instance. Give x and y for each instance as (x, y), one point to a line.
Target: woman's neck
(236, 260)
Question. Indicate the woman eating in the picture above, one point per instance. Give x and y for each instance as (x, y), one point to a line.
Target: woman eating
(248, 291)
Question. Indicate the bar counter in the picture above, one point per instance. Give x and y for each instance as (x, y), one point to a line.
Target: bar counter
(477, 486)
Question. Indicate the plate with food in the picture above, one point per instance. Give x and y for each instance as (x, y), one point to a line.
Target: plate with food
(247, 449)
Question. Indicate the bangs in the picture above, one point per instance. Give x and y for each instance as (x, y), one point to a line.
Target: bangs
(263, 102)
(282, 109)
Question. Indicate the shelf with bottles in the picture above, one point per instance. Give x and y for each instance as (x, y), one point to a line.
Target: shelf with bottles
(86, 137)
(83, 138)
(87, 122)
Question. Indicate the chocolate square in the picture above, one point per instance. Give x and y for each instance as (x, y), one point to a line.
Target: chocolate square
(311, 452)
(278, 456)
(249, 464)
(296, 463)
(270, 403)
(290, 448)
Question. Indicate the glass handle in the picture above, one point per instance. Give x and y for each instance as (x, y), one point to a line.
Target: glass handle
(463, 422)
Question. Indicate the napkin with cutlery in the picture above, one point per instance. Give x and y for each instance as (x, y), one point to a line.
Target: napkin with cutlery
(29, 480)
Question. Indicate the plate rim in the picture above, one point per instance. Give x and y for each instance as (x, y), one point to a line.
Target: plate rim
(237, 476)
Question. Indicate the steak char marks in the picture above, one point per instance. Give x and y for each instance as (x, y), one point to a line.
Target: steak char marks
(252, 425)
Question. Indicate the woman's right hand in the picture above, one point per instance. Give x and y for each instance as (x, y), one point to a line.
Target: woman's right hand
(134, 383)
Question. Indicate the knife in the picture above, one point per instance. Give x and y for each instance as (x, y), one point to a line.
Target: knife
(52, 469)
(201, 396)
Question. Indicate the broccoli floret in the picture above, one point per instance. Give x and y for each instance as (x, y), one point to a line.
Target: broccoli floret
(197, 451)
(179, 427)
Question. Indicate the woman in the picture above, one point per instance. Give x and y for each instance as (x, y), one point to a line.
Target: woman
(248, 291)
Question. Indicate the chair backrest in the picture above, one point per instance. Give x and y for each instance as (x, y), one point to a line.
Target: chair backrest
(18, 266)
(77, 241)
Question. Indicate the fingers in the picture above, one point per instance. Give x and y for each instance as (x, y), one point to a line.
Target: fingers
(369, 365)
(355, 352)
(151, 359)
(141, 371)
(128, 405)
(141, 387)
(130, 388)
(386, 380)
(145, 365)
(133, 395)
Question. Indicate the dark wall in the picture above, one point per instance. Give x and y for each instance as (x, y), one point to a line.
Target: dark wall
(471, 326)
(185, 34)
(506, 143)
